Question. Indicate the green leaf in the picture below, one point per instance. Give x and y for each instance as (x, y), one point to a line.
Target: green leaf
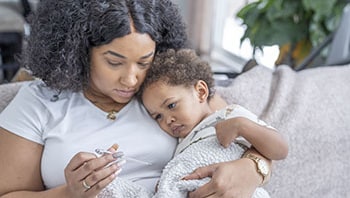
(278, 22)
(320, 7)
(282, 9)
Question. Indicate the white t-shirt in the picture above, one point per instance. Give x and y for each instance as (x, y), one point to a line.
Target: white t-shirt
(73, 124)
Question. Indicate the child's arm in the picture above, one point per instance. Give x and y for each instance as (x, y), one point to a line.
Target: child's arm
(266, 140)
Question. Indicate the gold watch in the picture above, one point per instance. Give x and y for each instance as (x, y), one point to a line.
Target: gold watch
(261, 165)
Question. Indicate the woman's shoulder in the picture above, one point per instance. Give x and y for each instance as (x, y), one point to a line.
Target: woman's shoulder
(39, 90)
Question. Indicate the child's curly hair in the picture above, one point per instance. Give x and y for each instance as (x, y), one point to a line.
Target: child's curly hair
(64, 31)
(181, 67)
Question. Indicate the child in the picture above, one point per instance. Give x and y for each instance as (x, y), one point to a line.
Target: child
(176, 93)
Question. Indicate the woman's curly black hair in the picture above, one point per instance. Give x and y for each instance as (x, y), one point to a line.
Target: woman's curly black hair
(63, 32)
(179, 67)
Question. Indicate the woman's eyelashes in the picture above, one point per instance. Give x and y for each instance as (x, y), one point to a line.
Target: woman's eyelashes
(147, 64)
(114, 63)
(118, 63)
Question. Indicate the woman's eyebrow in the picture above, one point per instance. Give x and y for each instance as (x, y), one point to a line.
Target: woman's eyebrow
(121, 56)
(147, 55)
(114, 54)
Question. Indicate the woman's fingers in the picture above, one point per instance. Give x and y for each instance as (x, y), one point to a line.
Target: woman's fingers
(202, 172)
(86, 173)
(97, 188)
(204, 191)
(90, 164)
(97, 179)
(78, 160)
(239, 183)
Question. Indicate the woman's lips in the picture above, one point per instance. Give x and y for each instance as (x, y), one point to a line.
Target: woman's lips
(125, 94)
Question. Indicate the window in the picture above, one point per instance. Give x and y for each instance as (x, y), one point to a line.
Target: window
(215, 33)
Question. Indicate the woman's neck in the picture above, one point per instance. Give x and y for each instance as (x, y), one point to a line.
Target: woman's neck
(98, 97)
(102, 101)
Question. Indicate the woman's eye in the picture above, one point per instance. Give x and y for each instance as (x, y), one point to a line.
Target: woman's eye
(144, 64)
(172, 105)
(114, 63)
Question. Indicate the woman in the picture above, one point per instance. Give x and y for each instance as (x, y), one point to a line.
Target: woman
(92, 57)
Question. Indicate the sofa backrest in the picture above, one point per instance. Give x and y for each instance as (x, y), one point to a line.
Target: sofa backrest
(7, 92)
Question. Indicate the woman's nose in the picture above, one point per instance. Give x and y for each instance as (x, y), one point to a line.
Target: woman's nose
(130, 79)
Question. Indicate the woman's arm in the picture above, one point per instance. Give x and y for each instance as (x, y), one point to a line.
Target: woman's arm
(20, 171)
(20, 163)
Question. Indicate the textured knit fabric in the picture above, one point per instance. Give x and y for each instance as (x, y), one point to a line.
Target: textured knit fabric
(202, 149)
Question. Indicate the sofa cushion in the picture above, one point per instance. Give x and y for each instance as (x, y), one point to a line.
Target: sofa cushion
(7, 92)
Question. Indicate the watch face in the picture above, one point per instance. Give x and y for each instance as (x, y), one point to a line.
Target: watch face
(263, 167)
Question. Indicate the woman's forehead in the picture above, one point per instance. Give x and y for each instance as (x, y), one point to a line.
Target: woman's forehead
(130, 45)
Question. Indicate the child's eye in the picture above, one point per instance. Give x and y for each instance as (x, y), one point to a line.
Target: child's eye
(172, 105)
(157, 117)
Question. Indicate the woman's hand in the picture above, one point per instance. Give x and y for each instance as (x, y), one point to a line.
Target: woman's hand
(237, 178)
(86, 175)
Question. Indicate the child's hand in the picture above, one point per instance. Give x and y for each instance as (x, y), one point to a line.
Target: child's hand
(228, 130)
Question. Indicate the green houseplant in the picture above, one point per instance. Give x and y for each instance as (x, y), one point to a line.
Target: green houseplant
(295, 26)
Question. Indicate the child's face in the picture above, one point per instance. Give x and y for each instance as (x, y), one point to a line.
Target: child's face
(177, 109)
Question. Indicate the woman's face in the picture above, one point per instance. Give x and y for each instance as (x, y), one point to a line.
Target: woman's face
(119, 68)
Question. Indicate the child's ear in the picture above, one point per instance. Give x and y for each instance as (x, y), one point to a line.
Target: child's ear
(202, 90)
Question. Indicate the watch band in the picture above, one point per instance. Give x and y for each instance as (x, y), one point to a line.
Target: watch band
(261, 166)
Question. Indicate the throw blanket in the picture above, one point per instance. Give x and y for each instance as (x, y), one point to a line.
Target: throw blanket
(311, 108)
(200, 148)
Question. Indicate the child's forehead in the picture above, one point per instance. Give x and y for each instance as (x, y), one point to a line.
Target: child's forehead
(157, 84)
(162, 89)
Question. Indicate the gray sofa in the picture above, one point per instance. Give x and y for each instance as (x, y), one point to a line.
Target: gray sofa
(310, 108)
(7, 92)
